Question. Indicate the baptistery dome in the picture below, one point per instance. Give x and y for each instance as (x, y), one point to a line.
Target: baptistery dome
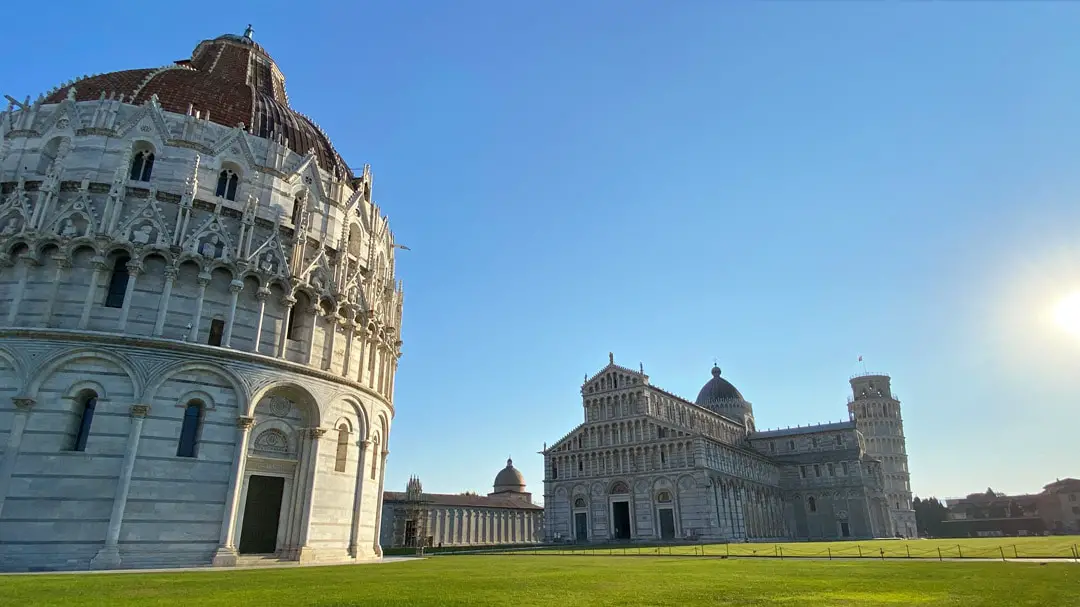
(509, 479)
(199, 324)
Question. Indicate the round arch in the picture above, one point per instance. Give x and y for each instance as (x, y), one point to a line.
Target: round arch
(63, 358)
(169, 372)
(16, 366)
(363, 425)
(304, 398)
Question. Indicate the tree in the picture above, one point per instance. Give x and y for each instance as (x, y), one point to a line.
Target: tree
(929, 515)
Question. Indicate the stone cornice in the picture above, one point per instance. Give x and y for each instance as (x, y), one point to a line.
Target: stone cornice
(171, 345)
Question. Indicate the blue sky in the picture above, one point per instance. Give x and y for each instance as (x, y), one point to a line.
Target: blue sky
(781, 186)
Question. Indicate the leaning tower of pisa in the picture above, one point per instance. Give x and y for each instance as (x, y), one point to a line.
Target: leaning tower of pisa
(199, 324)
(877, 416)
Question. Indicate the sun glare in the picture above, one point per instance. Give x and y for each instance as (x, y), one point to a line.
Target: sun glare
(1067, 313)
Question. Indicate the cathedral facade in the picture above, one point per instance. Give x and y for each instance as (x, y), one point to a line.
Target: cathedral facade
(647, 465)
(505, 516)
(199, 324)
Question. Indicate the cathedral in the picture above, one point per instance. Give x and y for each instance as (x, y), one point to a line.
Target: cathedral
(199, 324)
(647, 465)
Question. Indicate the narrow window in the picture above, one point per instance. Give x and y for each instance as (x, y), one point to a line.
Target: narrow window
(342, 448)
(843, 466)
(813, 442)
(374, 457)
(817, 470)
(580, 466)
(791, 445)
(142, 165)
(554, 471)
(812, 503)
(88, 404)
(772, 446)
(189, 430)
(226, 184)
(802, 471)
(832, 471)
(217, 328)
(296, 211)
(118, 283)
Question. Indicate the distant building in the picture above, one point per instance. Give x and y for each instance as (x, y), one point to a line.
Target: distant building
(647, 465)
(1055, 510)
(505, 516)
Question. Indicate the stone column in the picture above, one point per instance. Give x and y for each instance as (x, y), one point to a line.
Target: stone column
(305, 554)
(134, 269)
(363, 355)
(23, 407)
(358, 497)
(314, 311)
(234, 293)
(163, 305)
(378, 513)
(62, 265)
(226, 554)
(27, 262)
(100, 266)
(261, 296)
(350, 331)
(283, 337)
(331, 337)
(196, 317)
(109, 556)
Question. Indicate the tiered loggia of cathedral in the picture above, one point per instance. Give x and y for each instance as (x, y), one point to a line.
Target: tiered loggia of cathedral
(199, 324)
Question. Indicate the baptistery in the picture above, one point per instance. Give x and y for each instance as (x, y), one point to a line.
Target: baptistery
(199, 324)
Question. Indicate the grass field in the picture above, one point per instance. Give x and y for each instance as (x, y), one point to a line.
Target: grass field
(578, 581)
(1062, 546)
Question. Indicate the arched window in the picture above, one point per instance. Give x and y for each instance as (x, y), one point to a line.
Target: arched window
(342, 448)
(217, 330)
(142, 164)
(579, 502)
(226, 184)
(118, 282)
(87, 402)
(663, 497)
(619, 487)
(189, 430)
(812, 503)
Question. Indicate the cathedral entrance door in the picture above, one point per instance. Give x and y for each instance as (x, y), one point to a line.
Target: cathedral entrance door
(667, 523)
(845, 530)
(620, 516)
(258, 535)
(581, 527)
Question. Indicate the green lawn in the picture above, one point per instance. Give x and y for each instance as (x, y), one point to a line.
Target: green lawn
(1061, 546)
(577, 581)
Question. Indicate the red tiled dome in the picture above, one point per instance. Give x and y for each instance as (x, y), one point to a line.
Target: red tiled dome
(232, 79)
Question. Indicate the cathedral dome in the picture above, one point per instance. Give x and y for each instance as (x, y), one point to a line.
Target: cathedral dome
(229, 80)
(717, 389)
(509, 479)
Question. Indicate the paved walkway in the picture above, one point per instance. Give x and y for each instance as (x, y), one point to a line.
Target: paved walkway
(210, 568)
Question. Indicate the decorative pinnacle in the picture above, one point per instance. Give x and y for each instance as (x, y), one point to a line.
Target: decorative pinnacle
(248, 32)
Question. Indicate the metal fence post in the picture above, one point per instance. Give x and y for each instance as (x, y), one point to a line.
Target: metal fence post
(939, 554)
(830, 552)
(1002, 553)
(960, 550)
(1016, 554)
(908, 546)
(781, 552)
(859, 546)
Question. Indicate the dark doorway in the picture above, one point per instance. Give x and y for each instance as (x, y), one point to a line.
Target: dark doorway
(620, 515)
(581, 527)
(667, 524)
(845, 531)
(261, 512)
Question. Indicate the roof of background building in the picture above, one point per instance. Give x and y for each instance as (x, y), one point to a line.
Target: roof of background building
(830, 427)
(717, 389)
(467, 500)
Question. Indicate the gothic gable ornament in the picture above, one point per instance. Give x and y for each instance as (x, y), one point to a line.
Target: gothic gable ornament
(308, 170)
(211, 240)
(236, 138)
(269, 258)
(77, 217)
(146, 225)
(15, 211)
(149, 120)
(64, 120)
